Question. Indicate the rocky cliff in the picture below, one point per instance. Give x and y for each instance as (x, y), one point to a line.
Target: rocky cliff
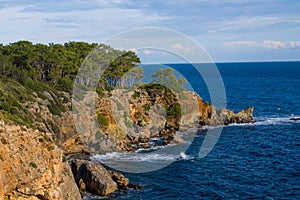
(32, 157)
(32, 166)
(131, 119)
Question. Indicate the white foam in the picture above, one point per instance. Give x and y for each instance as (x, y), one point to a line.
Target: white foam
(275, 120)
(259, 121)
(127, 157)
(183, 156)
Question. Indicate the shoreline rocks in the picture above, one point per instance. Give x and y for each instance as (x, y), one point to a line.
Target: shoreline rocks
(150, 112)
(92, 177)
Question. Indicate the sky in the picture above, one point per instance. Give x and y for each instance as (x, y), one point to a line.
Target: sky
(237, 30)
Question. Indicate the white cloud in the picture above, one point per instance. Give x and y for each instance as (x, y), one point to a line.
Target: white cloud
(268, 44)
(62, 26)
(294, 44)
(179, 47)
(246, 22)
(241, 43)
(147, 51)
(274, 44)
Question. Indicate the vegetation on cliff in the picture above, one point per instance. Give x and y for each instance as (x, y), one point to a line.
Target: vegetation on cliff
(36, 83)
(28, 69)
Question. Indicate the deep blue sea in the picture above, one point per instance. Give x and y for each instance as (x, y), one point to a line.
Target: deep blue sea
(249, 161)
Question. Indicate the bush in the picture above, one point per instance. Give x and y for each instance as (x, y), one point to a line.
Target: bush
(32, 164)
(54, 109)
(103, 121)
(146, 107)
(174, 110)
(136, 94)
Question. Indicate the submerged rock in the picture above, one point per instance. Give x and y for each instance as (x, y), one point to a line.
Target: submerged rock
(295, 119)
(135, 186)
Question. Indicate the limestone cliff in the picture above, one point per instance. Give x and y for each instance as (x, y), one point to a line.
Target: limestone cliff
(130, 119)
(32, 166)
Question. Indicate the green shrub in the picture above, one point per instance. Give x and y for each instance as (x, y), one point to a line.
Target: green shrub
(103, 121)
(174, 110)
(146, 107)
(33, 165)
(50, 148)
(64, 159)
(100, 92)
(136, 94)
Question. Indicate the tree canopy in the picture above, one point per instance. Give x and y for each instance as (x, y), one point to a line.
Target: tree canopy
(167, 78)
(57, 64)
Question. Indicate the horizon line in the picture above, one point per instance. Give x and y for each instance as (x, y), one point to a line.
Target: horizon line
(221, 62)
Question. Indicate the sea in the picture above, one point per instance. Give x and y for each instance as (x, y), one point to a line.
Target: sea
(258, 160)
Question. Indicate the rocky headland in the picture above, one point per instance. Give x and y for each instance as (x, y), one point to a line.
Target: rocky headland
(34, 161)
(44, 154)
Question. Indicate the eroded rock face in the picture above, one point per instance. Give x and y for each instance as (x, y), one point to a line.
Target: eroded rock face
(32, 167)
(145, 113)
(132, 118)
(120, 179)
(93, 176)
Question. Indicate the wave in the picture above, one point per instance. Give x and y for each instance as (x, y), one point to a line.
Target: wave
(127, 156)
(152, 156)
(265, 121)
(262, 121)
(141, 157)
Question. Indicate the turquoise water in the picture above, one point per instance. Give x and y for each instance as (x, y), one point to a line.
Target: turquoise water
(249, 161)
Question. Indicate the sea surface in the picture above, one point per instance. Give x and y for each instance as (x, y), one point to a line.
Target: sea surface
(249, 161)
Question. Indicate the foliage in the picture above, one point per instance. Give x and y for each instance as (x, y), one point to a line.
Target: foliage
(136, 94)
(174, 110)
(34, 165)
(167, 78)
(28, 69)
(103, 121)
(146, 107)
(55, 65)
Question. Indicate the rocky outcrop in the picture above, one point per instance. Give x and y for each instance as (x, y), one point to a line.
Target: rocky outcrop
(93, 177)
(135, 117)
(51, 112)
(210, 115)
(120, 179)
(32, 166)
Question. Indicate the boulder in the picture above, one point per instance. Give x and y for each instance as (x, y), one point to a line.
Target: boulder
(120, 179)
(96, 178)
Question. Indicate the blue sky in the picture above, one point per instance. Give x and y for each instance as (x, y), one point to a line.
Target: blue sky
(238, 30)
